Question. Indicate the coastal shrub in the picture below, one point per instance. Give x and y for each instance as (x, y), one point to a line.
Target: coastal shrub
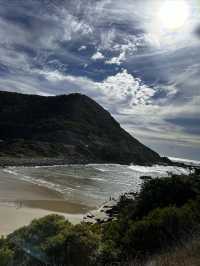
(157, 193)
(162, 228)
(39, 230)
(29, 241)
(53, 240)
(165, 213)
(109, 253)
(75, 246)
(126, 205)
(6, 256)
(163, 192)
(183, 255)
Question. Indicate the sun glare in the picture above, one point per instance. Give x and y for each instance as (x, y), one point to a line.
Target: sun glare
(173, 14)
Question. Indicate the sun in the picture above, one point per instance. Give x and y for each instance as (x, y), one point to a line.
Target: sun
(173, 14)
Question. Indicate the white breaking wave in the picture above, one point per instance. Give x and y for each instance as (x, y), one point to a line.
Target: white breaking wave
(160, 170)
(185, 161)
(39, 182)
(10, 172)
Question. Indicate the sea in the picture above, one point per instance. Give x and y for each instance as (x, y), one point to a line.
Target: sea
(93, 184)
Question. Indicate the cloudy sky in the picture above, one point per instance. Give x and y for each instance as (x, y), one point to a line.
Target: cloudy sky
(140, 59)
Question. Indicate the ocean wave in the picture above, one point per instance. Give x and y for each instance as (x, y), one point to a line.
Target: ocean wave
(9, 171)
(83, 184)
(160, 169)
(185, 161)
(37, 181)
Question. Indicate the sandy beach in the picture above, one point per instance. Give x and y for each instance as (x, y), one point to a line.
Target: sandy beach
(12, 218)
(21, 202)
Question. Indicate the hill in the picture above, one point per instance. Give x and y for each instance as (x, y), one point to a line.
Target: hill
(73, 127)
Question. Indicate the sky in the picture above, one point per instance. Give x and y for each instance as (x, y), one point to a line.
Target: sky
(139, 59)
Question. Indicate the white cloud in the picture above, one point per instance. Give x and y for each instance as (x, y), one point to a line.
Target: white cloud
(107, 39)
(125, 87)
(118, 59)
(129, 47)
(83, 47)
(97, 56)
(122, 87)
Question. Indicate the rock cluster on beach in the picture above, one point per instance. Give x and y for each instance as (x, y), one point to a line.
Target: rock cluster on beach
(108, 210)
(102, 214)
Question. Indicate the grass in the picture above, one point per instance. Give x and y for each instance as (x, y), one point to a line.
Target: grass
(188, 255)
(184, 255)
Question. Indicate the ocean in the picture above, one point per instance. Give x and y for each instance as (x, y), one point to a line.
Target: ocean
(92, 184)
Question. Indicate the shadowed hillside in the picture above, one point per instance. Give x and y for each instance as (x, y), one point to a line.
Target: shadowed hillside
(73, 127)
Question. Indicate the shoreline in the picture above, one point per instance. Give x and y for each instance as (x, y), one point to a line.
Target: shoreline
(52, 161)
(13, 218)
(43, 161)
(21, 202)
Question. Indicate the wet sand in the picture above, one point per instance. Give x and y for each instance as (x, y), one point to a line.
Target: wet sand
(21, 202)
(12, 218)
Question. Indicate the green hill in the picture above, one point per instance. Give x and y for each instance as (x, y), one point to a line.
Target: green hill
(73, 127)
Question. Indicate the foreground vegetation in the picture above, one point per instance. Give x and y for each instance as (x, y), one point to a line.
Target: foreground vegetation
(155, 226)
(184, 255)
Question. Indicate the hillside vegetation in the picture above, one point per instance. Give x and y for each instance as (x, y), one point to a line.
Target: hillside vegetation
(73, 127)
(161, 222)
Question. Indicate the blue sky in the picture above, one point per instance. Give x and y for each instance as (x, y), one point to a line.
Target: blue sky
(120, 53)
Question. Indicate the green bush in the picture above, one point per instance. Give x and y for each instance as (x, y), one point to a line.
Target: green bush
(162, 228)
(6, 256)
(158, 193)
(73, 246)
(54, 240)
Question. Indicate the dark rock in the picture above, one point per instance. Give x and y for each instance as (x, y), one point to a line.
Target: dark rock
(145, 177)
